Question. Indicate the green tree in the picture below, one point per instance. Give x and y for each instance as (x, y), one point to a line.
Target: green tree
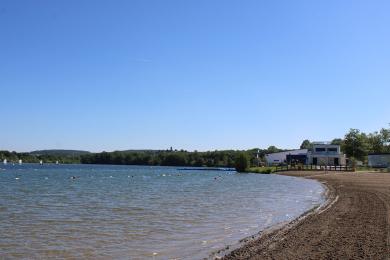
(174, 159)
(385, 135)
(242, 162)
(273, 149)
(337, 141)
(306, 144)
(355, 144)
(375, 143)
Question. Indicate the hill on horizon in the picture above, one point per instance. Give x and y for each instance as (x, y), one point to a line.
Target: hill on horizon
(59, 152)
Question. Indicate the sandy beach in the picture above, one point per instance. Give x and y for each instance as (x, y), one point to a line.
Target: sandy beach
(355, 223)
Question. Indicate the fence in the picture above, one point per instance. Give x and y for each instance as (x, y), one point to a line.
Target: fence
(314, 168)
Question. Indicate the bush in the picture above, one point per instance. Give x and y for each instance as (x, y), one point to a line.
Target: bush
(242, 162)
(263, 170)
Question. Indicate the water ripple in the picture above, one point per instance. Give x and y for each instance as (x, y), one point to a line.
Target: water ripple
(139, 212)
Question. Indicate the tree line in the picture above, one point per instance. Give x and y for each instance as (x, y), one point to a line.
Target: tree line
(14, 157)
(355, 144)
(224, 158)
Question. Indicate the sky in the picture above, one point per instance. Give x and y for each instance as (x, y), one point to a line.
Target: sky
(192, 74)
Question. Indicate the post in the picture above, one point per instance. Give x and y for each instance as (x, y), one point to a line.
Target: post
(327, 160)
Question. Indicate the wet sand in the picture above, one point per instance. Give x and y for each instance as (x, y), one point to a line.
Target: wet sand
(354, 224)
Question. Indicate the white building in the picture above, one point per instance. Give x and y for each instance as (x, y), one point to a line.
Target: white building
(281, 157)
(324, 153)
(379, 160)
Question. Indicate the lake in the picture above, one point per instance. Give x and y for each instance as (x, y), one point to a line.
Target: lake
(137, 212)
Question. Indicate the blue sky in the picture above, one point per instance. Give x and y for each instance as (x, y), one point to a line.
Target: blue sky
(204, 75)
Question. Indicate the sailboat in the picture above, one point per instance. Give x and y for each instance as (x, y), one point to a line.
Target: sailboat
(20, 162)
(5, 161)
(41, 162)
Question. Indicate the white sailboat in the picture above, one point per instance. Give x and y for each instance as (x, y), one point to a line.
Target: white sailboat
(5, 161)
(40, 162)
(20, 162)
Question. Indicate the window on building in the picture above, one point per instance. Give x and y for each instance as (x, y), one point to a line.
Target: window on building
(320, 149)
(332, 149)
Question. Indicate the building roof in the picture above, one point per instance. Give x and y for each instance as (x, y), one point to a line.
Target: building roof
(297, 151)
(321, 142)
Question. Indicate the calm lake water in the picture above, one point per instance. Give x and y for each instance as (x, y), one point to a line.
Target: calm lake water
(133, 212)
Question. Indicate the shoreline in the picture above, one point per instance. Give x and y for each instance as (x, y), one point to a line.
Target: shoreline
(354, 222)
(329, 199)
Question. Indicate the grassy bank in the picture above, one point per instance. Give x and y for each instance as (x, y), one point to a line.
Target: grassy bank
(370, 169)
(262, 170)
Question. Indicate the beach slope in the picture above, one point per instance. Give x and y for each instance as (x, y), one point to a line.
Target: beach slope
(355, 225)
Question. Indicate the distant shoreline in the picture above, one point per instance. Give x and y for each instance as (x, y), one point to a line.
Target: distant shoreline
(354, 223)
